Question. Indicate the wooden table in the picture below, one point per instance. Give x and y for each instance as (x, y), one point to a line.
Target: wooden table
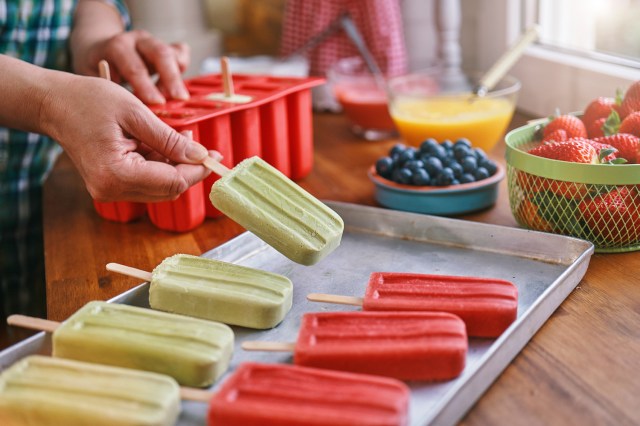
(582, 367)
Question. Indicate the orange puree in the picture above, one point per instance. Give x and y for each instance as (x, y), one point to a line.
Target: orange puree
(482, 121)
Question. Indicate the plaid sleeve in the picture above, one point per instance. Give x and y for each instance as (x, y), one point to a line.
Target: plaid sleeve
(124, 12)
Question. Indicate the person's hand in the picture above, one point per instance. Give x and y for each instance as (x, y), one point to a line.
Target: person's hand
(135, 57)
(100, 126)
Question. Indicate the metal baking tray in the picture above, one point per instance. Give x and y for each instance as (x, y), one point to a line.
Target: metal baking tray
(544, 267)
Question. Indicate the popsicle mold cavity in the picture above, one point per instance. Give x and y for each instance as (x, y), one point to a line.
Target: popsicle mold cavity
(220, 291)
(277, 210)
(279, 394)
(195, 352)
(487, 305)
(404, 345)
(44, 391)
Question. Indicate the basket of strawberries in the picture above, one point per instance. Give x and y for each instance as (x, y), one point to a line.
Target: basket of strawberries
(579, 174)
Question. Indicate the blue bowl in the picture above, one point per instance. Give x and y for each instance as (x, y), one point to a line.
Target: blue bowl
(449, 200)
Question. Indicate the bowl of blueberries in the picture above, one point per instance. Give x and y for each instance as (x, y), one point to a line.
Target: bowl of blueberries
(439, 178)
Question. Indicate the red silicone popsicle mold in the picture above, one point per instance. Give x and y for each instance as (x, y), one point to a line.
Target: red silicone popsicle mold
(275, 124)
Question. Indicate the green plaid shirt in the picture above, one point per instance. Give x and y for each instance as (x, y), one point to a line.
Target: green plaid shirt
(36, 32)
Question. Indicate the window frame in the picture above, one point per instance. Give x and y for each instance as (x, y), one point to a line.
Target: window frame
(569, 81)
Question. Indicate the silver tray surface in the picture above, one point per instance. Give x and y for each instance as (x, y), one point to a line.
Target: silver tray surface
(544, 267)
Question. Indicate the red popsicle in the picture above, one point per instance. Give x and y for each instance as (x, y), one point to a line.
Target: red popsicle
(487, 305)
(288, 395)
(403, 345)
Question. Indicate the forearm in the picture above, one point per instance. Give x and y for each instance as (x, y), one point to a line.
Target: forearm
(24, 90)
(95, 22)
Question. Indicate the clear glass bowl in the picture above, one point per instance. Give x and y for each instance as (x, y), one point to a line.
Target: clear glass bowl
(363, 101)
(438, 103)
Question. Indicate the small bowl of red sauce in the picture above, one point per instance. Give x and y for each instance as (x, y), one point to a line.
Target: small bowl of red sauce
(362, 99)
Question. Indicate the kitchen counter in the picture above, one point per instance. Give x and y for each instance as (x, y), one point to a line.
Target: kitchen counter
(580, 368)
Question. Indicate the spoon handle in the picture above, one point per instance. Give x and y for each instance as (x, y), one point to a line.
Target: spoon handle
(506, 61)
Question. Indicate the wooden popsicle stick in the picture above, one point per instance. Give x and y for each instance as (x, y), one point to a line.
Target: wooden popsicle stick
(194, 394)
(103, 69)
(129, 271)
(227, 80)
(268, 346)
(32, 323)
(334, 298)
(209, 162)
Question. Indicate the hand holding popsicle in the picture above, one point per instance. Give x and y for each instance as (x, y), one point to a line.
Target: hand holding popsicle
(139, 338)
(487, 305)
(215, 290)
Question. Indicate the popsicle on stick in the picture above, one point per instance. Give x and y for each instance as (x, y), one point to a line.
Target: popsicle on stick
(403, 345)
(288, 395)
(195, 352)
(228, 94)
(46, 391)
(264, 201)
(487, 305)
(216, 290)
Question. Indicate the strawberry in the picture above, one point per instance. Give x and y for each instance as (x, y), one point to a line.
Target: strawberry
(631, 124)
(613, 217)
(569, 123)
(557, 135)
(595, 129)
(631, 100)
(527, 214)
(599, 108)
(606, 156)
(628, 146)
(576, 151)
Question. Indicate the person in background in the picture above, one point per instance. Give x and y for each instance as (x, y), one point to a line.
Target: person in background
(121, 149)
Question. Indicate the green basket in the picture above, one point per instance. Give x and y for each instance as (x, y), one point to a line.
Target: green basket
(595, 202)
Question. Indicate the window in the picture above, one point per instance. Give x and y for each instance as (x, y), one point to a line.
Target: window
(583, 51)
(605, 30)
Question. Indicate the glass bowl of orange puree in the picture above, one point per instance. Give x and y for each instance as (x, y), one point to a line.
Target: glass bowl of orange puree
(363, 101)
(438, 103)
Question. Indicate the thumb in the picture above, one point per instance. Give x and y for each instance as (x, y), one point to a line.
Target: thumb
(160, 137)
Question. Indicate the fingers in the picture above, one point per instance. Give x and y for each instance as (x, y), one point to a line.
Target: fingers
(164, 60)
(136, 55)
(147, 181)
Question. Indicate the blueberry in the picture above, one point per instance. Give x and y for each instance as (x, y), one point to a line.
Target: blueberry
(397, 149)
(414, 165)
(481, 173)
(479, 153)
(455, 182)
(447, 144)
(491, 166)
(461, 151)
(384, 166)
(440, 152)
(445, 177)
(448, 161)
(463, 141)
(402, 175)
(469, 163)
(420, 177)
(432, 165)
(428, 146)
(467, 178)
(457, 169)
(407, 155)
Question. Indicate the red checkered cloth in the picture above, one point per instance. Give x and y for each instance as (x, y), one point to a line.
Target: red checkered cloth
(379, 22)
